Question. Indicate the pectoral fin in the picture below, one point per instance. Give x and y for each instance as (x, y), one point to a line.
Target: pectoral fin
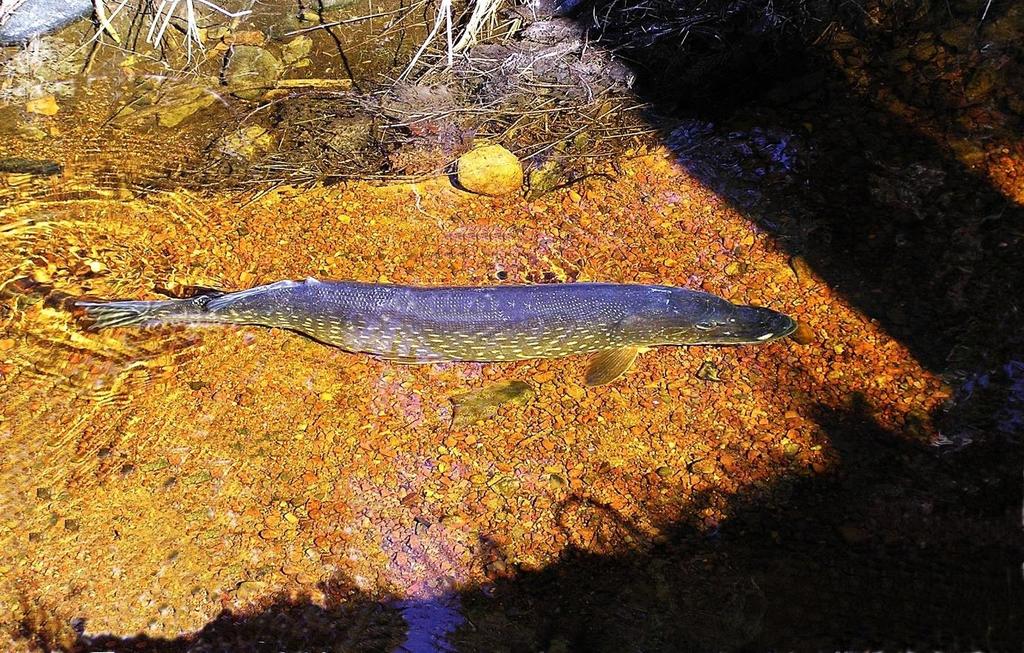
(608, 365)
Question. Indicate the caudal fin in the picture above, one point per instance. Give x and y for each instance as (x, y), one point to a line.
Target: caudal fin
(105, 315)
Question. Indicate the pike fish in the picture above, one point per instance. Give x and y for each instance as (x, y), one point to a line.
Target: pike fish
(412, 324)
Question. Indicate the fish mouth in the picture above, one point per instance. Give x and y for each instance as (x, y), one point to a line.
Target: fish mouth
(755, 324)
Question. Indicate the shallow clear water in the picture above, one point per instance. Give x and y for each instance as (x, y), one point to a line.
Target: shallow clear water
(230, 486)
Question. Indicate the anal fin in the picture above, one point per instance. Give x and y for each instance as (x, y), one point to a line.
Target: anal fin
(610, 364)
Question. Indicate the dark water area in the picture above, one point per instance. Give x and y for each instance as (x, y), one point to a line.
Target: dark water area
(854, 158)
(859, 165)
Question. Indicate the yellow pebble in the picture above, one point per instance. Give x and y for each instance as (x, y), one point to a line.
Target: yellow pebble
(44, 106)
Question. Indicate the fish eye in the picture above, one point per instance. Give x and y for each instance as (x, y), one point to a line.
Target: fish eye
(705, 326)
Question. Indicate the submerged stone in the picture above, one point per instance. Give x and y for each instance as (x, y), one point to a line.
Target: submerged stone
(545, 178)
(247, 142)
(177, 106)
(251, 71)
(490, 170)
(708, 371)
(474, 406)
(804, 334)
(44, 106)
(296, 49)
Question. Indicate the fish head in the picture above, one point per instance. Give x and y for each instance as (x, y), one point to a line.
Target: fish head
(710, 320)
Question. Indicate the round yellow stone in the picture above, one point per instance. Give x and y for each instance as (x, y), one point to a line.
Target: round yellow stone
(490, 170)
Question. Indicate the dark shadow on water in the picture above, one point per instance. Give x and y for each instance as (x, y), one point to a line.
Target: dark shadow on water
(882, 215)
(895, 549)
(882, 212)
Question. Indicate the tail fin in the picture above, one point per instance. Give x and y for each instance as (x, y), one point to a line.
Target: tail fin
(105, 315)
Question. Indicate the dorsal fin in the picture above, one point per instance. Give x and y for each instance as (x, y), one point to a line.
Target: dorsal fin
(610, 364)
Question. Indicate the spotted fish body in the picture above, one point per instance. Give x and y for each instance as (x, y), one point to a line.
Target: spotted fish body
(501, 323)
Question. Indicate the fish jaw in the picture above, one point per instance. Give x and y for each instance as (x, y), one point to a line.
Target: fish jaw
(735, 325)
(751, 325)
